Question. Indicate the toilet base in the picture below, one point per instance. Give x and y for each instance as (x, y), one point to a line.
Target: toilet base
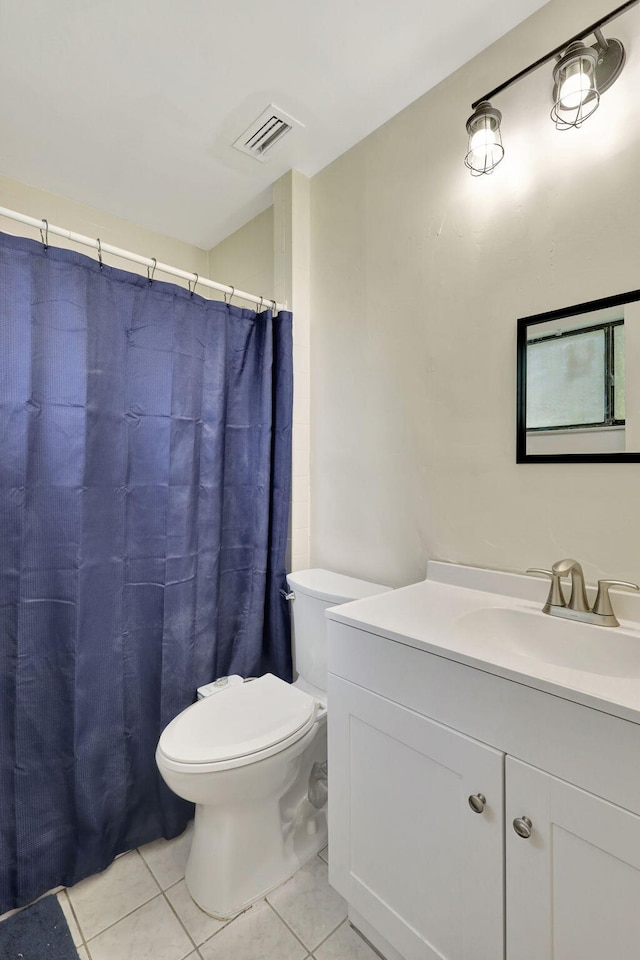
(238, 893)
(242, 850)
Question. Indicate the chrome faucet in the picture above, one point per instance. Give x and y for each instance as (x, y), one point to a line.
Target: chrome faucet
(578, 607)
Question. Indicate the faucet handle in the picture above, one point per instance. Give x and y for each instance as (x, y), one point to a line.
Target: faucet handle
(602, 606)
(563, 567)
(556, 596)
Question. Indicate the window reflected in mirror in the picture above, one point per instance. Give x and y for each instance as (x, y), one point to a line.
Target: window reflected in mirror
(572, 388)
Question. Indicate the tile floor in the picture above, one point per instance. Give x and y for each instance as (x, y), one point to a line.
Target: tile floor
(139, 909)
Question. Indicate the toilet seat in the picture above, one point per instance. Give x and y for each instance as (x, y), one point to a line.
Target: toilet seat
(240, 725)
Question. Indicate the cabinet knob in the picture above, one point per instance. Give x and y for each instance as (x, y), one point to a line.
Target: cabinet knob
(477, 802)
(522, 826)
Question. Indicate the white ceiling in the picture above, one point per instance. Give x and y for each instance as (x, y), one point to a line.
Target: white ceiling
(131, 106)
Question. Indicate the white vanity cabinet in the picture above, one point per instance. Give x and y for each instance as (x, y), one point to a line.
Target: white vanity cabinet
(406, 849)
(413, 736)
(573, 887)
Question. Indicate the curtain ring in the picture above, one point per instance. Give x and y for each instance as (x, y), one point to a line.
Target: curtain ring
(45, 235)
(261, 304)
(275, 306)
(231, 295)
(152, 269)
(195, 283)
(99, 252)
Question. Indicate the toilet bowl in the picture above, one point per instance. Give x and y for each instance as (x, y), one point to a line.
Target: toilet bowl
(252, 758)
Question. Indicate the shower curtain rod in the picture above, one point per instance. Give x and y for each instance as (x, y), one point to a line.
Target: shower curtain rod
(151, 262)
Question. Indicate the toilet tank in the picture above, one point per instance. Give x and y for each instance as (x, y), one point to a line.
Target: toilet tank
(313, 592)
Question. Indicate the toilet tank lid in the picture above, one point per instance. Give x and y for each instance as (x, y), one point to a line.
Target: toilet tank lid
(332, 587)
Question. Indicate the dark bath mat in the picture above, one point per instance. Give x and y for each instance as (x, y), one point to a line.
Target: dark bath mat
(38, 932)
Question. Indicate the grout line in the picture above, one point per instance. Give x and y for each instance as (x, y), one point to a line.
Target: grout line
(299, 939)
(86, 940)
(161, 893)
(75, 917)
(178, 917)
(158, 884)
(290, 929)
(322, 942)
(227, 923)
(123, 917)
(168, 902)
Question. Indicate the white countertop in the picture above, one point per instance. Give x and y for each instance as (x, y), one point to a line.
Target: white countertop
(439, 613)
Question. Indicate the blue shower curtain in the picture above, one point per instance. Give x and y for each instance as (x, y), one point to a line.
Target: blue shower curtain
(145, 454)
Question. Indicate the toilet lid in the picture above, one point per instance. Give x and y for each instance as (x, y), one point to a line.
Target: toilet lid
(239, 721)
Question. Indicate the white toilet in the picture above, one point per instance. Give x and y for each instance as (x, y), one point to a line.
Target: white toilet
(252, 757)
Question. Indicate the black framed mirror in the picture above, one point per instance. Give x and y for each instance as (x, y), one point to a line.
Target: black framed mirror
(578, 399)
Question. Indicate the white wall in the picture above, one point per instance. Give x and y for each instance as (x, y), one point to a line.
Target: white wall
(419, 273)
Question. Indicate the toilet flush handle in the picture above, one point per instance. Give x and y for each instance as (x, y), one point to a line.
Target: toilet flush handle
(287, 596)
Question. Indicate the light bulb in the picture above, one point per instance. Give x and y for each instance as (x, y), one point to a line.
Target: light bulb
(485, 143)
(484, 148)
(574, 90)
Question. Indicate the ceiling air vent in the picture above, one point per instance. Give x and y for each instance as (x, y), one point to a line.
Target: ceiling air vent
(269, 129)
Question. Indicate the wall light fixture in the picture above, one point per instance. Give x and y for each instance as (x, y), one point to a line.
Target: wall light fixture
(485, 143)
(581, 74)
(575, 91)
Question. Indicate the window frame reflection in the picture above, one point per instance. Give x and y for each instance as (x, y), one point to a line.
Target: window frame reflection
(608, 385)
(574, 311)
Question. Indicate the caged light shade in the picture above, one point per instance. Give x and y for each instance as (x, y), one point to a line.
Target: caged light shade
(575, 91)
(485, 149)
(581, 75)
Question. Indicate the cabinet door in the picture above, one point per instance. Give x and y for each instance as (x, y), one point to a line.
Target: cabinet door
(406, 849)
(572, 887)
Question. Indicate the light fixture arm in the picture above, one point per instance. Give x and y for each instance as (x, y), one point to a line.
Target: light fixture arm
(595, 29)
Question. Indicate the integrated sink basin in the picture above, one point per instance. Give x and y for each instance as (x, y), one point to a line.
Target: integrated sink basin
(570, 644)
(493, 621)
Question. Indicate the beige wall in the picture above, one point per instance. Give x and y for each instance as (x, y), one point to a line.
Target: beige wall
(269, 256)
(291, 202)
(418, 275)
(245, 258)
(94, 223)
(419, 272)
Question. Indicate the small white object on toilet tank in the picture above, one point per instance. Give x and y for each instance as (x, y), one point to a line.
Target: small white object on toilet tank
(217, 686)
